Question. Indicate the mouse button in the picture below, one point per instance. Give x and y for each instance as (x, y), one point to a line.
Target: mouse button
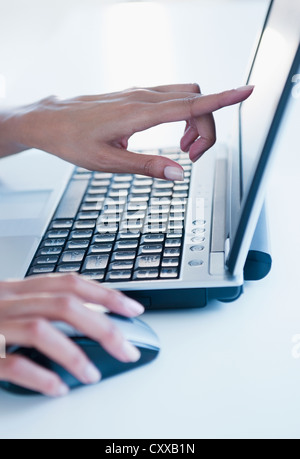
(135, 330)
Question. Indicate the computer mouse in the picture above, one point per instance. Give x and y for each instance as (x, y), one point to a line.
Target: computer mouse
(135, 331)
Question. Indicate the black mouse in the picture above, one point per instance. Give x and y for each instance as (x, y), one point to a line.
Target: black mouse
(135, 331)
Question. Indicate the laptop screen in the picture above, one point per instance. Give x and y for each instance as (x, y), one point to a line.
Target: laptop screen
(272, 74)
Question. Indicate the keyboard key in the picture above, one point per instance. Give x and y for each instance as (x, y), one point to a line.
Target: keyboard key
(57, 234)
(170, 262)
(50, 251)
(109, 228)
(118, 276)
(155, 228)
(163, 185)
(173, 243)
(142, 274)
(127, 244)
(94, 262)
(140, 190)
(92, 206)
(98, 198)
(174, 234)
(94, 275)
(121, 186)
(138, 198)
(78, 244)
(102, 238)
(183, 187)
(128, 235)
(81, 234)
(120, 265)
(118, 178)
(147, 261)
(62, 224)
(124, 255)
(100, 183)
(88, 215)
(150, 248)
(111, 218)
(176, 217)
(47, 260)
(100, 248)
(41, 270)
(175, 225)
(170, 273)
(68, 268)
(129, 215)
(164, 201)
(152, 238)
(102, 175)
(154, 210)
(172, 252)
(180, 194)
(137, 206)
(118, 193)
(97, 190)
(143, 182)
(72, 256)
(85, 224)
(53, 242)
(162, 193)
(132, 225)
(159, 218)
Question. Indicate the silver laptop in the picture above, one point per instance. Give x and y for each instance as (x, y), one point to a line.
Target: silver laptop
(165, 244)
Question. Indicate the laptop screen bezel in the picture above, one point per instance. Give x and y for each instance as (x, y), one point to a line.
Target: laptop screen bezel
(255, 197)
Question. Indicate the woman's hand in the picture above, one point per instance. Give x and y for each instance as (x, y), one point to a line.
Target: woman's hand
(93, 131)
(27, 308)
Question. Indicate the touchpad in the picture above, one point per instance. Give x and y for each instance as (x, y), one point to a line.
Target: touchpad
(23, 204)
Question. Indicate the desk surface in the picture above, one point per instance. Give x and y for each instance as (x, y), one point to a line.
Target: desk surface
(227, 370)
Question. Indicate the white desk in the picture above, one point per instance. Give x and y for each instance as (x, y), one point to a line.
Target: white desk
(227, 370)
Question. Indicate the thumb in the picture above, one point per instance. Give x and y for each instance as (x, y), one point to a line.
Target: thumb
(124, 161)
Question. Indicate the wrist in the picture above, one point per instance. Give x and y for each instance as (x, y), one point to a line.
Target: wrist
(15, 130)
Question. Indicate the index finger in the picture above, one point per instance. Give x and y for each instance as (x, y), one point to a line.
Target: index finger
(190, 107)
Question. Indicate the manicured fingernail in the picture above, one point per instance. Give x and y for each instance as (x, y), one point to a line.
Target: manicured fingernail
(173, 173)
(133, 306)
(91, 374)
(63, 390)
(131, 352)
(245, 88)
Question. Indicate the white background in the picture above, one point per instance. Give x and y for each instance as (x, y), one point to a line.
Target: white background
(224, 371)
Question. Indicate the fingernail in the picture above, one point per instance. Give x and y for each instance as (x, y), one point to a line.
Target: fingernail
(245, 88)
(131, 352)
(91, 374)
(133, 306)
(63, 390)
(173, 173)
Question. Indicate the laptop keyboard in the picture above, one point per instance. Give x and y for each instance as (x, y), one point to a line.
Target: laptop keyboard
(117, 227)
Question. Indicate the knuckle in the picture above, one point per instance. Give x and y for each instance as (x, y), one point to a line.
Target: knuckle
(112, 335)
(71, 281)
(151, 165)
(13, 367)
(196, 88)
(189, 102)
(77, 361)
(51, 385)
(36, 329)
(66, 305)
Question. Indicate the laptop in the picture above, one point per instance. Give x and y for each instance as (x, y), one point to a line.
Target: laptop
(168, 245)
